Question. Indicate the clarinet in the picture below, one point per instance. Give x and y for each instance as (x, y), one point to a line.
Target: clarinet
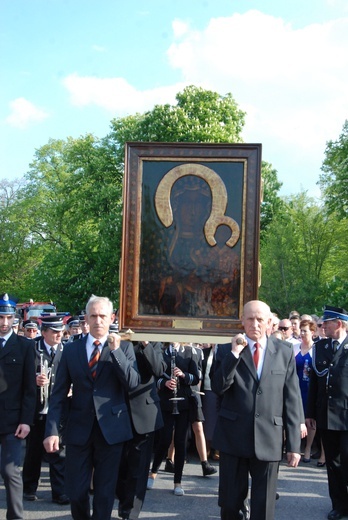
(175, 397)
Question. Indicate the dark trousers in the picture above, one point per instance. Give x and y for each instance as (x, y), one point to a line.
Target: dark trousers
(11, 455)
(336, 456)
(133, 474)
(179, 423)
(34, 454)
(233, 487)
(101, 459)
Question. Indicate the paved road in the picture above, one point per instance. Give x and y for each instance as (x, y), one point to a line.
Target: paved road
(303, 495)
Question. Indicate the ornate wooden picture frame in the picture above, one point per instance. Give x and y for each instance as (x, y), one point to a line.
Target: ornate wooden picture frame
(190, 251)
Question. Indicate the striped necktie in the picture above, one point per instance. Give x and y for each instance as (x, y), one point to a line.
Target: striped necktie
(93, 360)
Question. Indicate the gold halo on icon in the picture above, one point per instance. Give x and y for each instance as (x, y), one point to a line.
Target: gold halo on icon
(219, 201)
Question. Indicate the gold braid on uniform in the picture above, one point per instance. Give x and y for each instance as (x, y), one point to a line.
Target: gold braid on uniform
(319, 373)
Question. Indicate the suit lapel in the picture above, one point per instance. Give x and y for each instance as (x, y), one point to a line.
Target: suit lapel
(248, 360)
(58, 354)
(343, 350)
(81, 355)
(268, 359)
(6, 349)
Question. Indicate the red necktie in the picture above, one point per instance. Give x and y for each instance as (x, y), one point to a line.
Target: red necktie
(256, 355)
(93, 360)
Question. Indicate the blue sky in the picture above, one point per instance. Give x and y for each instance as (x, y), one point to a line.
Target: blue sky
(69, 66)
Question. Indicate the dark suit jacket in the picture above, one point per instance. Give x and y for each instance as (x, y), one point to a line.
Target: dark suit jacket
(186, 360)
(328, 387)
(253, 412)
(40, 350)
(102, 399)
(18, 397)
(144, 401)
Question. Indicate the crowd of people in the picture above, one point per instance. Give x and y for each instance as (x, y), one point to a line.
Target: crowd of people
(105, 413)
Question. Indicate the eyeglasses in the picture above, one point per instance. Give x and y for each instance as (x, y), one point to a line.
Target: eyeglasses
(283, 328)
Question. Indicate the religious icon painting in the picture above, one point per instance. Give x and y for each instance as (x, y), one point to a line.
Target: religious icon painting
(190, 237)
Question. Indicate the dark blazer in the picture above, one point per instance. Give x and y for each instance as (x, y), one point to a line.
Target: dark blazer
(18, 398)
(186, 360)
(102, 399)
(328, 386)
(254, 412)
(144, 401)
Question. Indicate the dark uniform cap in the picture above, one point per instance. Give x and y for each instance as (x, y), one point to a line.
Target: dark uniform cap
(334, 313)
(73, 321)
(7, 304)
(53, 322)
(30, 324)
(82, 316)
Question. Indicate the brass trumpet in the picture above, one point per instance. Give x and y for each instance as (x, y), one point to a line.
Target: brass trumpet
(44, 390)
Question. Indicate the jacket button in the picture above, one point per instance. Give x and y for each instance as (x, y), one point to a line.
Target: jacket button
(257, 415)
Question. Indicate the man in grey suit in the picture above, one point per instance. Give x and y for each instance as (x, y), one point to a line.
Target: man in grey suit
(256, 379)
(100, 374)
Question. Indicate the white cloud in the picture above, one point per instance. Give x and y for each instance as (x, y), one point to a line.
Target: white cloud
(116, 95)
(180, 28)
(292, 83)
(24, 113)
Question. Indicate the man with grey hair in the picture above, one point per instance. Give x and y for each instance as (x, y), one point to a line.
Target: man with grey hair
(256, 378)
(101, 374)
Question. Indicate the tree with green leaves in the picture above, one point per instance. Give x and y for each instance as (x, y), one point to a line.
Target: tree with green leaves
(17, 248)
(72, 208)
(272, 203)
(334, 179)
(300, 254)
(201, 116)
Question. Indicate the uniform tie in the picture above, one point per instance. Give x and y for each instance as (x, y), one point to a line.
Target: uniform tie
(2, 342)
(335, 344)
(93, 360)
(256, 355)
(53, 353)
